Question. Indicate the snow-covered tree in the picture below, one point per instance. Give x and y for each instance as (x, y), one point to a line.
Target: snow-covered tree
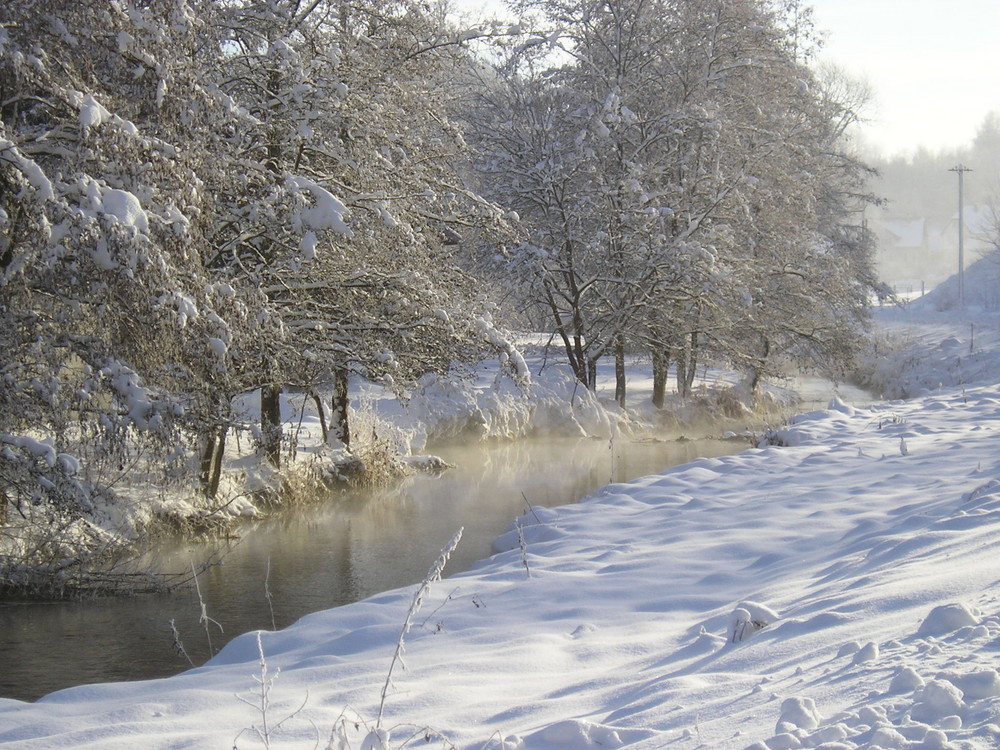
(197, 201)
(530, 161)
(353, 200)
(108, 319)
(658, 152)
(800, 261)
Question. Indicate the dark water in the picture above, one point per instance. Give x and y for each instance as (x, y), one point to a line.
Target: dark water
(348, 547)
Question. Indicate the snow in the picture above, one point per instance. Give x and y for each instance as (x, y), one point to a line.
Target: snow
(187, 308)
(307, 247)
(92, 113)
(121, 206)
(326, 211)
(218, 346)
(946, 619)
(39, 449)
(31, 171)
(832, 591)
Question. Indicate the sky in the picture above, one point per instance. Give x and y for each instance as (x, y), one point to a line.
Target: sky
(933, 66)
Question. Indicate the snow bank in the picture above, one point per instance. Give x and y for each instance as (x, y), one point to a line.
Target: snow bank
(869, 578)
(444, 409)
(932, 344)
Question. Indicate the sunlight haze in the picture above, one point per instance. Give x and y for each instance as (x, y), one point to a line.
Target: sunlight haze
(932, 67)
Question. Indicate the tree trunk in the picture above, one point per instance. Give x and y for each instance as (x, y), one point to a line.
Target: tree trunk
(220, 451)
(205, 465)
(692, 364)
(210, 474)
(687, 364)
(270, 423)
(620, 370)
(574, 347)
(681, 375)
(758, 371)
(661, 370)
(322, 415)
(339, 427)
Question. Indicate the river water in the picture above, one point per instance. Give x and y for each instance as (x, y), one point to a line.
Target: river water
(345, 548)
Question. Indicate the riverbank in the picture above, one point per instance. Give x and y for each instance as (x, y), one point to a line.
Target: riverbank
(101, 545)
(839, 589)
(339, 549)
(343, 545)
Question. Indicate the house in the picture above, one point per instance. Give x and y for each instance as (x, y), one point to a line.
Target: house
(917, 254)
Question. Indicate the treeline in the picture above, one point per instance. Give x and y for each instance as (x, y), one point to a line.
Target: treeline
(685, 183)
(205, 200)
(920, 184)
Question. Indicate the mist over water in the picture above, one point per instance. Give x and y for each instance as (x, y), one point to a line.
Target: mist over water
(347, 547)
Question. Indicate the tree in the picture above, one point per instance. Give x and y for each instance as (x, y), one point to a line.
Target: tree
(806, 260)
(109, 320)
(357, 197)
(661, 199)
(199, 202)
(530, 159)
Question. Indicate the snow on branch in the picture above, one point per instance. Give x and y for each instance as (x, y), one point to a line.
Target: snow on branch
(508, 352)
(32, 172)
(326, 212)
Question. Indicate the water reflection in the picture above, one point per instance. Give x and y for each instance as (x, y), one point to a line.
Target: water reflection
(346, 548)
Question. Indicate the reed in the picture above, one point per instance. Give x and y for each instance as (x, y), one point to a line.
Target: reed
(433, 575)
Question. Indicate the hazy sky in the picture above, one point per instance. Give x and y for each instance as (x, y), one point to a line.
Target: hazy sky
(934, 65)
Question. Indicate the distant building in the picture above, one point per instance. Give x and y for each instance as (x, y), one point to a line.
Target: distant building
(915, 253)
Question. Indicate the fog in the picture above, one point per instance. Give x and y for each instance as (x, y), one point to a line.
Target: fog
(349, 547)
(917, 227)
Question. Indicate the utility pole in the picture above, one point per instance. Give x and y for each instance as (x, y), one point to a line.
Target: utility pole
(961, 170)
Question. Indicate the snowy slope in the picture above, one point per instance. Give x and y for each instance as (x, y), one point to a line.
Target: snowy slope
(934, 343)
(838, 589)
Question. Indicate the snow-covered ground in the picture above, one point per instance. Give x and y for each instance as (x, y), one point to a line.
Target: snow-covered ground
(837, 589)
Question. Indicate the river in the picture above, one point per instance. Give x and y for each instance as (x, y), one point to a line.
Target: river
(345, 548)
